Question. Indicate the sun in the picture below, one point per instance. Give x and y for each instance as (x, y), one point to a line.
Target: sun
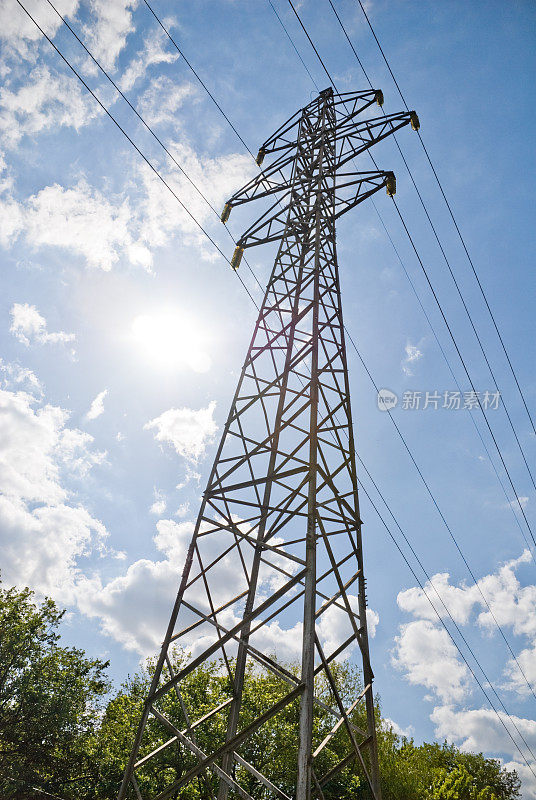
(172, 339)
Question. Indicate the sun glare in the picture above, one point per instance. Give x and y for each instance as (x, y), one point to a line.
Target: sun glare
(172, 339)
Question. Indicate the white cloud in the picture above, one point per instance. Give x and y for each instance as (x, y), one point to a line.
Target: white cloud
(526, 659)
(523, 501)
(428, 658)
(41, 547)
(11, 221)
(161, 101)
(481, 729)
(84, 222)
(43, 533)
(187, 430)
(459, 600)
(148, 586)
(14, 376)
(17, 29)
(154, 52)
(511, 605)
(108, 31)
(134, 608)
(160, 504)
(334, 626)
(390, 724)
(29, 439)
(28, 326)
(97, 405)
(46, 101)
(413, 354)
(217, 178)
(103, 229)
(183, 510)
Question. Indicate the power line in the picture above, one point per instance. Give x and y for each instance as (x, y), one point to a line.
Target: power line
(437, 301)
(330, 79)
(123, 131)
(205, 87)
(131, 106)
(294, 46)
(147, 126)
(353, 48)
(443, 253)
(458, 231)
(447, 362)
(464, 367)
(407, 273)
(134, 145)
(421, 565)
(469, 377)
(442, 516)
(479, 683)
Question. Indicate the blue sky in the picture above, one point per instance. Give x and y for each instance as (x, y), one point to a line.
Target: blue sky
(123, 330)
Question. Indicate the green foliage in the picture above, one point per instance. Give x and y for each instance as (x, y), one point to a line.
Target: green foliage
(459, 784)
(431, 771)
(409, 771)
(48, 698)
(56, 734)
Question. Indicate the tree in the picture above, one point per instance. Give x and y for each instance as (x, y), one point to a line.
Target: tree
(61, 731)
(409, 771)
(459, 785)
(49, 699)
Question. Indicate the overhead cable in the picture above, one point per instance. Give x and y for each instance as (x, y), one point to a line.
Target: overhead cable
(399, 258)
(449, 207)
(516, 494)
(134, 145)
(462, 555)
(447, 262)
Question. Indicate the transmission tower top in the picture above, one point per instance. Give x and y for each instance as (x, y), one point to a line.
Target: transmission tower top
(276, 553)
(349, 137)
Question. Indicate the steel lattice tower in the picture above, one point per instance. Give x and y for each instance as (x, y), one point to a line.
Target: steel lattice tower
(280, 512)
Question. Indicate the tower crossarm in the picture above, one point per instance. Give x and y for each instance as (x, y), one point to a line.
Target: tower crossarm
(350, 139)
(286, 135)
(276, 223)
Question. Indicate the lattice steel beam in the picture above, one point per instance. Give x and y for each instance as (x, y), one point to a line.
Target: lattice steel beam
(279, 519)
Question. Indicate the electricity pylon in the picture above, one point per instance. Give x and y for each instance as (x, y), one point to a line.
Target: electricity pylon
(276, 554)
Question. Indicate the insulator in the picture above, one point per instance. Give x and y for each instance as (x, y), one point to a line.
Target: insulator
(237, 257)
(379, 97)
(226, 213)
(260, 156)
(414, 119)
(390, 184)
